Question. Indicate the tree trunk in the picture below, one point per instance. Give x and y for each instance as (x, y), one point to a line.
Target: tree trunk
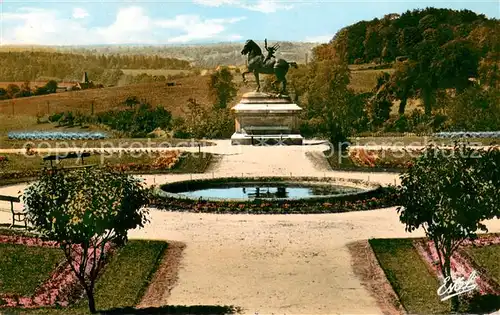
(90, 296)
(402, 105)
(427, 96)
(454, 300)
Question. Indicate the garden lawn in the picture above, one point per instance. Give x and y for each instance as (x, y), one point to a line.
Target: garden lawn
(123, 282)
(487, 257)
(23, 268)
(399, 140)
(410, 278)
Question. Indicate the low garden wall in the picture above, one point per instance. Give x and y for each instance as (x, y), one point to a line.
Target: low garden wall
(372, 197)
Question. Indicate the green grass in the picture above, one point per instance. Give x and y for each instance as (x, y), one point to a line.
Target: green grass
(127, 275)
(23, 268)
(123, 282)
(416, 140)
(410, 278)
(487, 257)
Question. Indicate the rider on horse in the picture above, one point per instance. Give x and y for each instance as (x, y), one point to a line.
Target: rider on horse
(270, 51)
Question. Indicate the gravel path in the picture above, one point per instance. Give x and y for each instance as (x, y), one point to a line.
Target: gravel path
(282, 264)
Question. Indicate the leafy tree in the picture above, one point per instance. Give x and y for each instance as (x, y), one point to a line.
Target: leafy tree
(25, 90)
(372, 43)
(328, 100)
(449, 193)
(408, 38)
(41, 90)
(474, 109)
(12, 90)
(137, 121)
(428, 22)
(51, 86)
(222, 88)
(381, 103)
(455, 63)
(87, 211)
(402, 83)
(3, 94)
(489, 70)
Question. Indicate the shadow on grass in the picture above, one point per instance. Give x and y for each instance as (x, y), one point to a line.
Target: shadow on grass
(481, 304)
(174, 309)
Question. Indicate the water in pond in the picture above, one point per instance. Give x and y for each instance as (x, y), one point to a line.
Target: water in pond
(239, 191)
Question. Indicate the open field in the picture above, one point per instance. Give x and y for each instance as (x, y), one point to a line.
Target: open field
(365, 80)
(165, 72)
(172, 98)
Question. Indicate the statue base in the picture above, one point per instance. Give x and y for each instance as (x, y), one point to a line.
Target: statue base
(264, 119)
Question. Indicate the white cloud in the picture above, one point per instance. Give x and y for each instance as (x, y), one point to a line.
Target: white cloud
(131, 25)
(268, 6)
(319, 39)
(214, 3)
(79, 13)
(195, 28)
(264, 6)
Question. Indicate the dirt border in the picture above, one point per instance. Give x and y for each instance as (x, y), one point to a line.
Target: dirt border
(165, 277)
(367, 268)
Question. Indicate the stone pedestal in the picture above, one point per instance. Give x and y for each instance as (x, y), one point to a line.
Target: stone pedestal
(263, 119)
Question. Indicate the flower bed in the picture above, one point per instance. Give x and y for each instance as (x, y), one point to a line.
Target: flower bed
(387, 158)
(468, 134)
(62, 287)
(55, 135)
(370, 199)
(164, 161)
(461, 264)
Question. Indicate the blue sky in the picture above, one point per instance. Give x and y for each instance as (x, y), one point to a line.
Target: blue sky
(48, 22)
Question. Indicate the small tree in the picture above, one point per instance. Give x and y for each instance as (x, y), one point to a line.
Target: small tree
(12, 90)
(448, 193)
(51, 86)
(86, 211)
(222, 88)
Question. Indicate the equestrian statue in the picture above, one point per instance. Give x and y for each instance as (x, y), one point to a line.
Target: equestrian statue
(257, 63)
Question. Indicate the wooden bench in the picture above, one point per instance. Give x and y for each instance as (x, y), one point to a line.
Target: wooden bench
(17, 216)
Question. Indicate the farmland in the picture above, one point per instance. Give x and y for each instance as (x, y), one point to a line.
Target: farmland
(173, 98)
(20, 113)
(157, 72)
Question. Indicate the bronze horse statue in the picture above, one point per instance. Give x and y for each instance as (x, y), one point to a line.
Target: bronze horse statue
(257, 63)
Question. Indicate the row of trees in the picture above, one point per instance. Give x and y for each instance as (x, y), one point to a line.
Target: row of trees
(140, 118)
(25, 90)
(31, 65)
(397, 35)
(458, 83)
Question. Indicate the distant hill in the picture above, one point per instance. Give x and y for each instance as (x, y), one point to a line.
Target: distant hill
(383, 40)
(202, 55)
